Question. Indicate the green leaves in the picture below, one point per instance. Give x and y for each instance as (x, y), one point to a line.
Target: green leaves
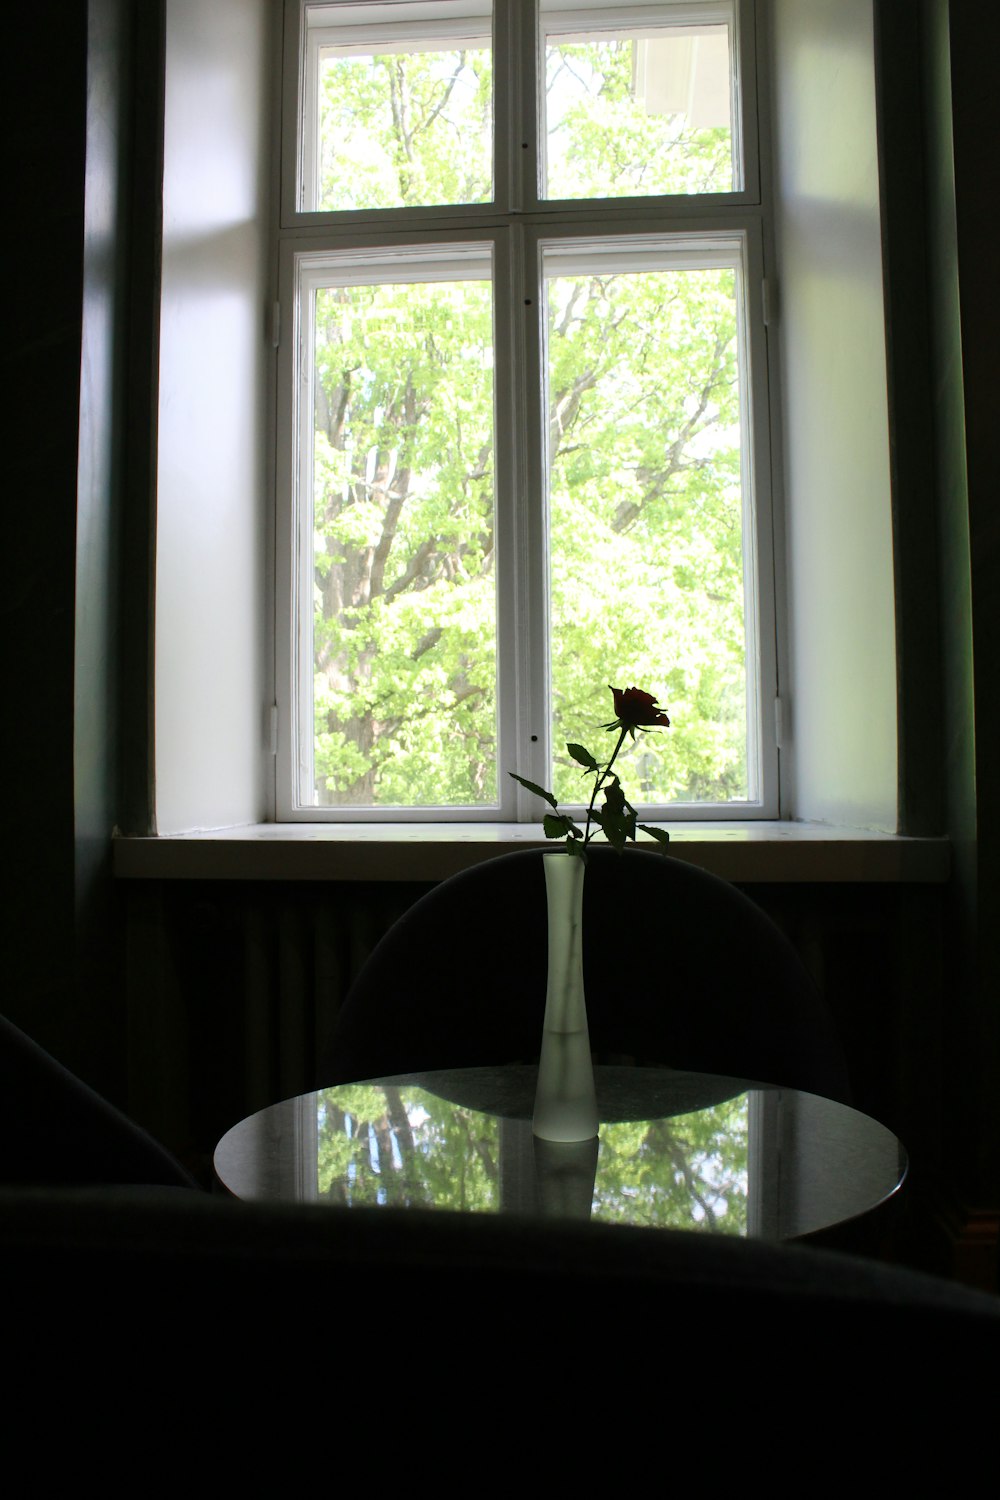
(555, 825)
(583, 757)
(539, 791)
(558, 826)
(617, 817)
(406, 130)
(646, 487)
(605, 142)
(404, 598)
(643, 390)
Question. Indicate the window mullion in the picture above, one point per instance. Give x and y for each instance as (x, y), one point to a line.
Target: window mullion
(510, 485)
(522, 77)
(507, 109)
(526, 748)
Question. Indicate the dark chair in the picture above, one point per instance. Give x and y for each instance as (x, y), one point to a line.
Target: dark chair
(54, 1129)
(195, 1301)
(680, 968)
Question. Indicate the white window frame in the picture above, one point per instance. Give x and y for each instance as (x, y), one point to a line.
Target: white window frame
(518, 224)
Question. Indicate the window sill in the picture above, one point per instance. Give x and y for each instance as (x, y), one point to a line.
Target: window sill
(741, 852)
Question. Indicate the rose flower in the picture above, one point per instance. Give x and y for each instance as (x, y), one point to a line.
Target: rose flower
(635, 709)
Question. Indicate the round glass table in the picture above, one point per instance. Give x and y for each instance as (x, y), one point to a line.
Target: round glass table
(675, 1150)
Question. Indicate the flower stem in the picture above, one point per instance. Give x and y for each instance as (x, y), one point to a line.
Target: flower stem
(600, 782)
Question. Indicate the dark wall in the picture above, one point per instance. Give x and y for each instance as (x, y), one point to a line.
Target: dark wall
(961, 136)
(970, 528)
(44, 131)
(80, 379)
(938, 137)
(98, 1012)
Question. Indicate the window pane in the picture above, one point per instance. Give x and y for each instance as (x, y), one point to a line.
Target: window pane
(404, 620)
(632, 112)
(400, 114)
(646, 515)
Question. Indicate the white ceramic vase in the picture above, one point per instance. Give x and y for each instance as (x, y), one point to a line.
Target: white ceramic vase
(565, 1103)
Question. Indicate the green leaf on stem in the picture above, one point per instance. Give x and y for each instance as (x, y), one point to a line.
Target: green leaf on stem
(539, 791)
(659, 834)
(583, 757)
(616, 819)
(560, 825)
(614, 798)
(616, 830)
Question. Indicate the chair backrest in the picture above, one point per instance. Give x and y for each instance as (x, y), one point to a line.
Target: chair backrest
(680, 968)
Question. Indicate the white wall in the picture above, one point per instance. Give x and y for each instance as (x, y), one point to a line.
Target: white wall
(841, 627)
(211, 576)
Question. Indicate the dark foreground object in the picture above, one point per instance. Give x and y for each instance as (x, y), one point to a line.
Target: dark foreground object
(174, 1286)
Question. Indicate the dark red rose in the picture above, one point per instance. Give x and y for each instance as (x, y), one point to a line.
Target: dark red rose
(636, 709)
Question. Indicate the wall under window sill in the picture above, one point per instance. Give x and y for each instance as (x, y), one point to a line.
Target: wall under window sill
(741, 852)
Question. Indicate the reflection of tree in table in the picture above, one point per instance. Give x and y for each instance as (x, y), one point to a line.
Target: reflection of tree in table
(402, 1147)
(377, 1145)
(689, 1172)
